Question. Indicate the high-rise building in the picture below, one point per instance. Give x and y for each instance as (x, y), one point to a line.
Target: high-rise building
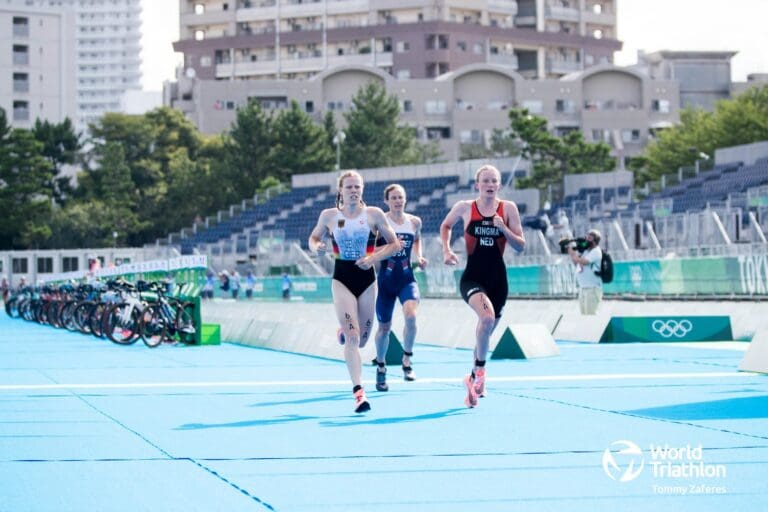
(294, 39)
(67, 58)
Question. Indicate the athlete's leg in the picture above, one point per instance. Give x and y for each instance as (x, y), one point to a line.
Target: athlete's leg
(486, 323)
(382, 340)
(409, 331)
(346, 306)
(366, 303)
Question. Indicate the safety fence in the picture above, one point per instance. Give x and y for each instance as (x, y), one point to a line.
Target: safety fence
(742, 277)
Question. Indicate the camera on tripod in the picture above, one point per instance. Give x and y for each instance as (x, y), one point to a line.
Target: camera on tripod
(580, 244)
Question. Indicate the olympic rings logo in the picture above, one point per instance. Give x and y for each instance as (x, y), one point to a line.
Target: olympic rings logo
(670, 328)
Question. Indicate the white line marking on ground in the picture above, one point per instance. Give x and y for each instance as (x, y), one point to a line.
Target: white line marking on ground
(436, 380)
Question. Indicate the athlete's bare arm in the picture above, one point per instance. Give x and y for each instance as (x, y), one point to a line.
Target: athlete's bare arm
(416, 221)
(316, 244)
(378, 220)
(458, 211)
(511, 227)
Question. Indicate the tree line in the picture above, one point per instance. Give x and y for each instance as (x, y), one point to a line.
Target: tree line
(140, 177)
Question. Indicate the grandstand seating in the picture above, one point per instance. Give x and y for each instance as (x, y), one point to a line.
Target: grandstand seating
(294, 215)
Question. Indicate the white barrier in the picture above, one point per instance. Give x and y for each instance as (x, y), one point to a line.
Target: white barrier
(756, 356)
(310, 328)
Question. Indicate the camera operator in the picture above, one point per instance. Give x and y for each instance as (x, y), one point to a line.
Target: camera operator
(587, 255)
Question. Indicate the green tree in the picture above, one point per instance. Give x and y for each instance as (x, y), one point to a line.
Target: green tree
(108, 209)
(25, 193)
(61, 146)
(374, 138)
(247, 149)
(742, 120)
(300, 146)
(554, 157)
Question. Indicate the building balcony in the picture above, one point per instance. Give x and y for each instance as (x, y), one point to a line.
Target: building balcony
(525, 21)
(562, 13)
(605, 18)
(257, 13)
(564, 67)
(301, 10)
(211, 17)
(503, 60)
(506, 6)
(347, 7)
(366, 59)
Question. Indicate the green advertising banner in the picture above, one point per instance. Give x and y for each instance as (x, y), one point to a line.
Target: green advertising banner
(629, 329)
(710, 276)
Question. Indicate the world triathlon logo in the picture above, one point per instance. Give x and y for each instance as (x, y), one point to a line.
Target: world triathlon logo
(623, 461)
(672, 328)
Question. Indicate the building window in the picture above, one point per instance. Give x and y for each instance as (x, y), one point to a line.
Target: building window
(19, 265)
(479, 48)
(597, 9)
(597, 34)
(20, 54)
(434, 107)
(661, 106)
(438, 132)
(199, 9)
(407, 106)
(403, 74)
(601, 136)
(533, 106)
(21, 111)
(230, 105)
(565, 106)
(630, 136)
(470, 137)
(20, 82)
(69, 264)
(199, 35)
(20, 26)
(205, 61)
(45, 265)
(462, 45)
(309, 107)
(403, 46)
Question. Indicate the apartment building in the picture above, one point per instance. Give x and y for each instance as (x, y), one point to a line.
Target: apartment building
(296, 39)
(621, 106)
(67, 58)
(37, 58)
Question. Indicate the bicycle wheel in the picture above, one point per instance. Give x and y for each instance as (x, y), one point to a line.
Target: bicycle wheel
(121, 323)
(95, 321)
(185, 323)
(153, 328)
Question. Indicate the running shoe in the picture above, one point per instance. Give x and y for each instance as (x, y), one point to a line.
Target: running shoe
(471, 399)
(408, 373)
(340, 336)
(381, 380)
(361, 402)
(480, 383)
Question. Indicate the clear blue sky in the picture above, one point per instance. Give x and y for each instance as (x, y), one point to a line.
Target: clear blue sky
(735, 25)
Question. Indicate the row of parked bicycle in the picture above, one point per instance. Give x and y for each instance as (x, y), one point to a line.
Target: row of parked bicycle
(118, 310)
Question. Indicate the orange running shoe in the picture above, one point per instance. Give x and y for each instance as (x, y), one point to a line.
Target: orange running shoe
(471, 399)
(480, 383)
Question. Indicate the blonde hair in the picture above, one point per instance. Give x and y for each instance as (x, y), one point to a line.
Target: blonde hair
(342, 177)
(391, 187)
(486, 167)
